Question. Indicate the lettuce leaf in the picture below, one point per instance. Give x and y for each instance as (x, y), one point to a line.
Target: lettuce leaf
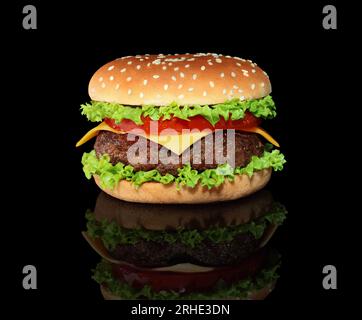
(110, 174)
(96, 111)
(112, 234)
(102, 274)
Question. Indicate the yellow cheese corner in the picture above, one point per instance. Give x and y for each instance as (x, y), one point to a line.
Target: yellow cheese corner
(176, 143)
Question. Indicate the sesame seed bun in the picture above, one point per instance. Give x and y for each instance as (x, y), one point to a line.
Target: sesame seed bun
(155, 192)
(186, 79)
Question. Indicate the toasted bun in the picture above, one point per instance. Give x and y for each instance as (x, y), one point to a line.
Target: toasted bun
(186, 79)
(186, 216)
(260, 294)
(155, 192)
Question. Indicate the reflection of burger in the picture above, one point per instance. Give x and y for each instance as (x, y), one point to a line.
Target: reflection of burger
(165, 135)
(185, 251)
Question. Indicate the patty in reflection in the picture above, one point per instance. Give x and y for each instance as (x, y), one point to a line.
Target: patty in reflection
(218, 234)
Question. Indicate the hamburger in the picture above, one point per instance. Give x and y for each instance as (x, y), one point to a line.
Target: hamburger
(180, 128)
(185, 251)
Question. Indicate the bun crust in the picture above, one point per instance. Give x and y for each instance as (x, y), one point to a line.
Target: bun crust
(154, 192)
(187, 79)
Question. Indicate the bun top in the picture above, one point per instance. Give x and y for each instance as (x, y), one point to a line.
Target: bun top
(131, 215)
(187, 79)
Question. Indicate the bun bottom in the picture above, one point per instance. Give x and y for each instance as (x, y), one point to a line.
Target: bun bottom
(260, 294)
(154, 192)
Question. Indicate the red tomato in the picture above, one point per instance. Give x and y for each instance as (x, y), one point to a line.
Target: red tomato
(176, 124)
(189, 282)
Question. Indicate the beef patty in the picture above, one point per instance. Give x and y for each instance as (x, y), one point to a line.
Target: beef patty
(117, 145)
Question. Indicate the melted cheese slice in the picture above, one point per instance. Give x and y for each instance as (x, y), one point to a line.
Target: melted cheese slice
(177, 143)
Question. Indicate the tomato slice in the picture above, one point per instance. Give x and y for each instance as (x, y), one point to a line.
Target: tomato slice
(189, 282)
(176, 124)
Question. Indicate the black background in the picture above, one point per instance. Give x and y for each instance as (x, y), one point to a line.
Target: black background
(45, 77)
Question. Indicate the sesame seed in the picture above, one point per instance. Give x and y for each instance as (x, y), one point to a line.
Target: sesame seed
(145, 82)
(222, 74)
(142, 59)
(187, 66)
(252, 64)
(149, 64)
(100, 79)
(244, 71)
(190, 89)
(181, 96)
(123, 70)
(176, 69)
(194, 76)
(210, 63)
(103, 85)
(191, 59)
(204, 93)
(203, 68)
(240, 91)
(238, 64)
(164, 68)
(170, 63)
(138, 67)
(265, 74)
(157, 61)
(235, 86)
(117, 86)
(141, 95)
(262, 84)
(218, 60)
(211, 83)
(129, 62)
(252, 86)
(146, 57)
(173, 78)
(233, 74)
(111, 78)
(129, 79)
(155, 76)
(182, 75)
(129, 92)
(165, 87)
(253, 70)
(179, 86)
(110, 68)
(224, 91)
(242, 98)
(228, 57)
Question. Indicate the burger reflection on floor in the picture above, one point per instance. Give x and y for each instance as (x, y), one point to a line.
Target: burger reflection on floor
(214, 251)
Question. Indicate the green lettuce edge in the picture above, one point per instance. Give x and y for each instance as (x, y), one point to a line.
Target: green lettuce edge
(102, 274)
(112, 234)
(110, 174)
(96, 111)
